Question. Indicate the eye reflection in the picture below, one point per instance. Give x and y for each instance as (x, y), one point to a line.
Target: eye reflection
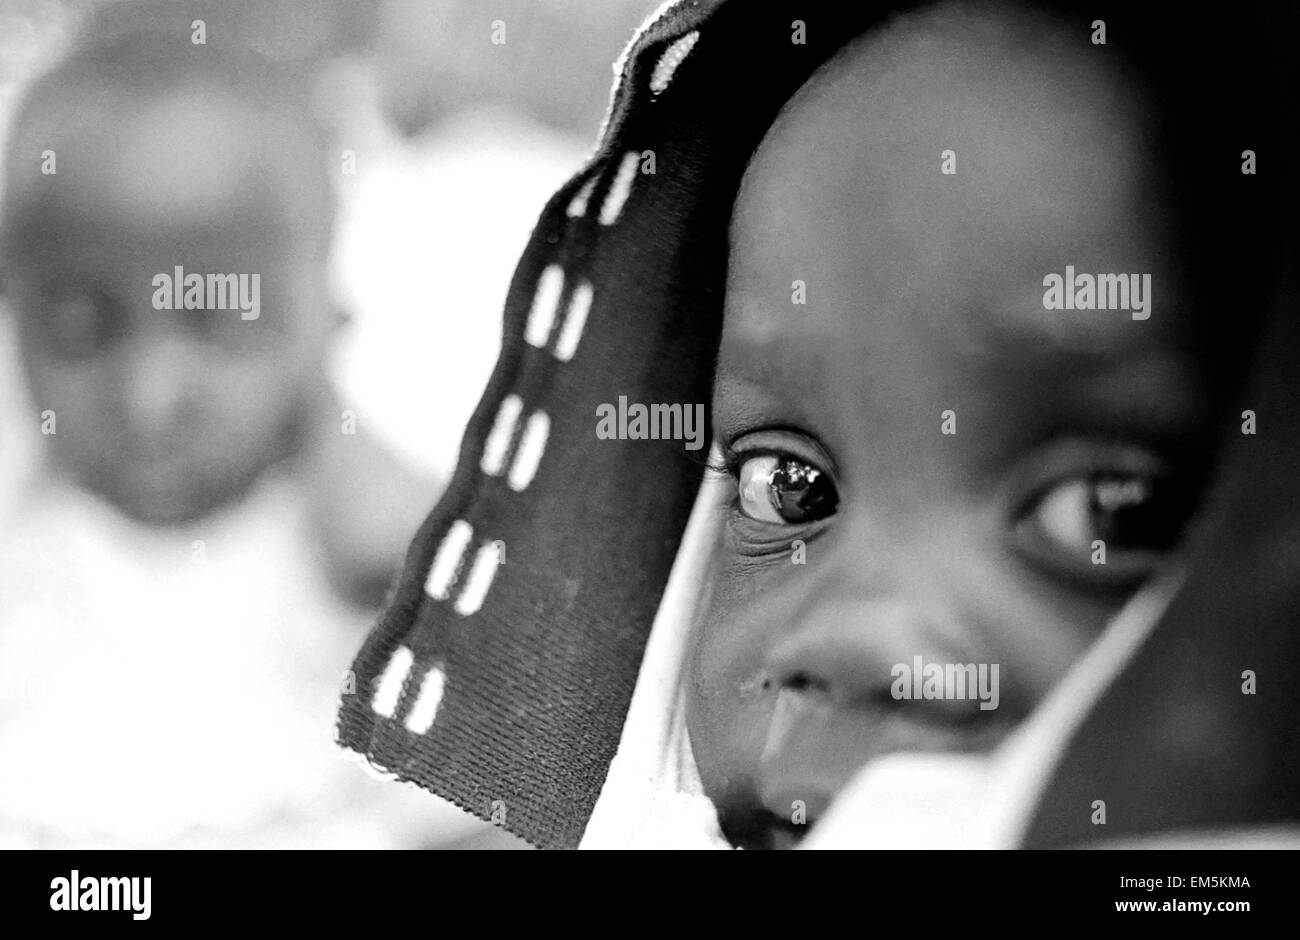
(1133, 513)
(781, 489)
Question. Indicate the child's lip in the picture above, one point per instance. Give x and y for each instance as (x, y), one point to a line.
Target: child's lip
(160, 478)
(813, 747)
(779, 833)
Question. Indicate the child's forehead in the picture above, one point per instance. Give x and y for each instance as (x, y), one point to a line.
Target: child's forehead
(185, 163)
(931, 177)
(893, 232)
(918, 123)
(180, 159)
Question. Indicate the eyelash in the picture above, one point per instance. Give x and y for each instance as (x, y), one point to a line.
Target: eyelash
(733, 459)
(730, 462)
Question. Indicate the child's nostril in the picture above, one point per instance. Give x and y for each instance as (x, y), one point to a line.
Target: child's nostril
(804, 682)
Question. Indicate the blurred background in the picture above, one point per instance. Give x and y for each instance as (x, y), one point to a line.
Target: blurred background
(199, 512)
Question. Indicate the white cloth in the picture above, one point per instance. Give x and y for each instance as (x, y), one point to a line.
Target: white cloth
(652, 797)
(159, 693)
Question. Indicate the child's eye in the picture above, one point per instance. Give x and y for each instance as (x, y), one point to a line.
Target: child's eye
(77, 325)
(1129, 513)
(782, 489)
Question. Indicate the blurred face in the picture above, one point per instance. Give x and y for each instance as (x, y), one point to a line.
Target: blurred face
(167, 413)
(860, 535)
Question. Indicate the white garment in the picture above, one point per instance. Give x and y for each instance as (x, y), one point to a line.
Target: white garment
(175, 689)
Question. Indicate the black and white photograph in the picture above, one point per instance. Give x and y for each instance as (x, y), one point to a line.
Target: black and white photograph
(610, 425)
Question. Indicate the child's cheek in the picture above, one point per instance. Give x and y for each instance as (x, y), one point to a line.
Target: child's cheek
(82, 396)
(1041, 658)
(727, 707)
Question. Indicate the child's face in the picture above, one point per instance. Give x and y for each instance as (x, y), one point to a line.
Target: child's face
(924, 295)
(167, 413)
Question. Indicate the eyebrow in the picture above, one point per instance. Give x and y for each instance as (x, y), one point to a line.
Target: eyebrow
(773, 396)
(783, 356)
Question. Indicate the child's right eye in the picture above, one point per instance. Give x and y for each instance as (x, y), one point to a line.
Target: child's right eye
(785, 490)
(76, 325)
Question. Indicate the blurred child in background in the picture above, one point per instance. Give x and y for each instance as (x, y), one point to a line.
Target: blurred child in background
(209, 525)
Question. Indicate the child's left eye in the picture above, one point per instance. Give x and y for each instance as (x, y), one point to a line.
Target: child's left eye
(785, 490)
(1130, 513)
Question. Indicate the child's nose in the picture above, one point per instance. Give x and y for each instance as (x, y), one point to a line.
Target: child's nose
(844, 650)
(154, 384)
